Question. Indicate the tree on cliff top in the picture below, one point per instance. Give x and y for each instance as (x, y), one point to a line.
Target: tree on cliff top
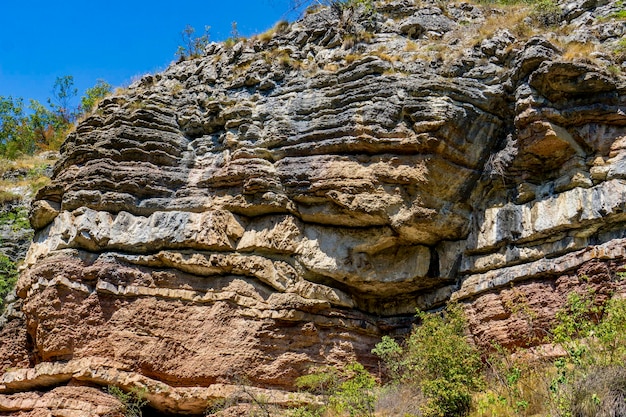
(25, 130)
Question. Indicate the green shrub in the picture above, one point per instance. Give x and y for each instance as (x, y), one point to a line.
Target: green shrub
(355, 394)
(439, 360)
(16, 217)
(593, 335)
(193, 46)
(94, 95)
(43, 128)
(323, 381)
(307, 411)
(8, 278)
(132, 401)
(349, 392)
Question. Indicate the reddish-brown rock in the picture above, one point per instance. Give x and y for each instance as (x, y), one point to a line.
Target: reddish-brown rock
(243, 217)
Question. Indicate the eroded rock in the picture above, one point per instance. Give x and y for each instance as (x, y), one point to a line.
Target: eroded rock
(284, 203)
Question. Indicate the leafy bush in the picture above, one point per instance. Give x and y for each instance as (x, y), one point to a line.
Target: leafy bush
(16, 217)
(436, 372)
(323, 381)
(8, 277)
(593, 335)
(587, 379)
(354, 395)
(438, 359)
(93, 95)
(43, 128)
(16, 135)
(349, 392)
(132, 401)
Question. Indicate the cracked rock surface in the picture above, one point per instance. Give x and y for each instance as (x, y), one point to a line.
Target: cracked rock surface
(286, 201)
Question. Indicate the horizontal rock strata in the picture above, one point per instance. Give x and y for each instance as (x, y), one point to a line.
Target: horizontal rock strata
(283, 203)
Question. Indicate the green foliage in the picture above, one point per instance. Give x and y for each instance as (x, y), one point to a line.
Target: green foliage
(132, 401)
(587, 379)
(8, 277)
(192, 47)
(17, 218)
(436, 372)
(515, 386)
(438, 359)
(307, 411)
(46, 127)
(93, 95)
(390, 352)
(354, 395)
(15, 133)
(349, 392)
(621, 13)
(577, 320)
(593, 337)
(323, 381)
(43, 128)
(63, 93)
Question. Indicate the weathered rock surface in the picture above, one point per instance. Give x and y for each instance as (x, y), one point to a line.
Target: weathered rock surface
(15, 237)
(285, 202)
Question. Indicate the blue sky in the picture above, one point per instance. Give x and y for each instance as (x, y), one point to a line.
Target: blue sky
(113, 40)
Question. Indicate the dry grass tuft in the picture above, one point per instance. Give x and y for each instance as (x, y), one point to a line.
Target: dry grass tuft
(266, 36)
(411, 46)
(511, 18)
(578, 51)
(350, 58)
(7, 197)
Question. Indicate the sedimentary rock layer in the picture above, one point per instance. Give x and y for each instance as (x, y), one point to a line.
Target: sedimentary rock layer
(284, 202)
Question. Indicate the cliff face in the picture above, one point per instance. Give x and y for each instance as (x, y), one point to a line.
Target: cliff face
(286, 201)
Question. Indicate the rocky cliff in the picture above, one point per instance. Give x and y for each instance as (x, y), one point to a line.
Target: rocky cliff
(287, 200)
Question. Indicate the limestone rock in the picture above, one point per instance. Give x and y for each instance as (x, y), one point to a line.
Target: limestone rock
(285, 202)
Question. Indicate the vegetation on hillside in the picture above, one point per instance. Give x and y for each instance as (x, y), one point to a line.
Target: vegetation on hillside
(437, 372)
(8, 278)
(13, 217)
(26, 129)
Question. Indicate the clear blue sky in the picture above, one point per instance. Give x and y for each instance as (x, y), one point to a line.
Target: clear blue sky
(113, 40)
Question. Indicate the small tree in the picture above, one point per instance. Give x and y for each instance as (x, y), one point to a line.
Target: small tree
(192, 47)
(438, 359)
(354, 395)
(63, 92)
(42, 122)
(8, 277)
(93, 95)
(348, 392)
(15, 133)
